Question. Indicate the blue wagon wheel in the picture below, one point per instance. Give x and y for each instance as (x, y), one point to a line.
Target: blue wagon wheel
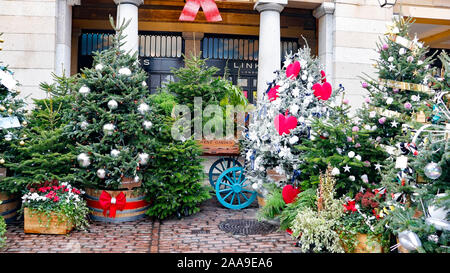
(233, 190)
(219, 166)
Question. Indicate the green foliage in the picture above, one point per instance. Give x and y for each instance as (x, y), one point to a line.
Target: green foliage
(2, 232)
(166, 101)
(305, 199)
(45, 154)
(173, 180)
(316, 227)
(274, 204)
(330, 145)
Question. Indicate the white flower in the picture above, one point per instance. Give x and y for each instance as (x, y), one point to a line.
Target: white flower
(372, 114)
(293, 140)
(296, 92)
(420, 62)
(415, 98)
(389, 100)
(367, 127)
(285, 152)
(391, 59)
(279, 170)
(351, 154)
(352, 178)
(358, 157)
(125, 71)
(293, 109)
(402, 51)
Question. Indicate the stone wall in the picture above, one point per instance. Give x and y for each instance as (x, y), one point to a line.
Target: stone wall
(29, 29)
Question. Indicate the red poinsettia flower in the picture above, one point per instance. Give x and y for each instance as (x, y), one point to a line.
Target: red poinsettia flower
(350, 206)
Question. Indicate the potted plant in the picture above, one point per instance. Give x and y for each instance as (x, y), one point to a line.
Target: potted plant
(53, 208)
(359, 232)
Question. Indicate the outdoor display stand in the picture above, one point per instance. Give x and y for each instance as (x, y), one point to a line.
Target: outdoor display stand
(226, 175)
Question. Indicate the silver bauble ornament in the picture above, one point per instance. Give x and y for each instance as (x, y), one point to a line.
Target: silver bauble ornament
(438, 223)
(143, 108)
(147, 124)
(112, 104)
(83, 160)
(99, 67)
(125, 71)
(8, 137)
(84, 90)
(101, 173)
(108, 129)
(84, 125)
(115, 153)
(409, 240)
(136, 179)
(143, 158)
(433, 170)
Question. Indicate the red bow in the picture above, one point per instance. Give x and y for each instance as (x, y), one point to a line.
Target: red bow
(350, 206)
(112, 203)
(209, 7)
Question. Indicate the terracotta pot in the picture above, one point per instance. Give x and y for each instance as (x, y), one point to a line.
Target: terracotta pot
(38, 222)
(365, 246)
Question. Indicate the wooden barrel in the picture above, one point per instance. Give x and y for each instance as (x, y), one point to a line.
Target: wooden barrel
(9, 207)
(134, 209)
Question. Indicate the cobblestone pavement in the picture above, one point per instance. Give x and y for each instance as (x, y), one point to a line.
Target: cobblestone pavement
(195, 233)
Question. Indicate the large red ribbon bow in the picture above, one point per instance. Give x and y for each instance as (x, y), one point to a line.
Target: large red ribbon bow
(209, 7)
(112, 203)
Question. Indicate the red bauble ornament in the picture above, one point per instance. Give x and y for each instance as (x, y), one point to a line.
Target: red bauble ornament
(290, 193)
(292, 70)
(273, 93)
(285, 123)
(324, 79)
(322, 91)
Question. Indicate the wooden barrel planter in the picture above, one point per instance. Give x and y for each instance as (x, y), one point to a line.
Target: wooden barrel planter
(9, 207)
(36, 222)
(134, 207)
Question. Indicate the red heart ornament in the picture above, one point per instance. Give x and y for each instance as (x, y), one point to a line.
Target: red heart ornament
(292, 70)
(322, 91)
(289, 193)
(284, 124)
(322, 73)
(273, 93)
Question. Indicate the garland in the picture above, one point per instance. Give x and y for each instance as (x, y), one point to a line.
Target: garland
(406, 86)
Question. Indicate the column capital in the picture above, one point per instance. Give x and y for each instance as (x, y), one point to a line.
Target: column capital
(273, 5)
(137, 3)
(73, 2)
(189, 35)
(323, 9)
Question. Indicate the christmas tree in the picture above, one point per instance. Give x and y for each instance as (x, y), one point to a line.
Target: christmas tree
(12, 118)
(397, 102)
(174, 179)
(338, 141)
(44, 153)
(111, 120)
(283, 119)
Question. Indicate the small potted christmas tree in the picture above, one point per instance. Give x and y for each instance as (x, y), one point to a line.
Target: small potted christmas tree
(111, 122)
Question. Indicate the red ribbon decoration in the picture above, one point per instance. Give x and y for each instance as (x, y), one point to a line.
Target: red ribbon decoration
(118, 203)
(191, 8)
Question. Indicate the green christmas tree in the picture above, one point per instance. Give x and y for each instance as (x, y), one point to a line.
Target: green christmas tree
(111, 120)
(174, 179)
(12, 118)
(44, 153)
(397, 102)
(338, 141)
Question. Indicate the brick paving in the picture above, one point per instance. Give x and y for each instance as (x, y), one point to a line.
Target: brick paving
(195, 233)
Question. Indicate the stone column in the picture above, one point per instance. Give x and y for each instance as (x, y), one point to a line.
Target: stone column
(324, 13)
(269, 59)
(192, 43)
(126, 10)
(63, 36)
